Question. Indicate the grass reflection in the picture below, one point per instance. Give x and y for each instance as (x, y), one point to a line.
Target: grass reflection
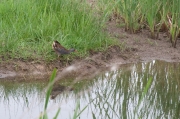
(148, 90)
(135, 91)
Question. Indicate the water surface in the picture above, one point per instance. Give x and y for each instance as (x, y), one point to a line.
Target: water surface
(143, 90)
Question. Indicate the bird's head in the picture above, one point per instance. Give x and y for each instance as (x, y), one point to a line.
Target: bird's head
(55, 44)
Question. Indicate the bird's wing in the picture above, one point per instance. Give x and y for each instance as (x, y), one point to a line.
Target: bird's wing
(62, 51)
(60, 46)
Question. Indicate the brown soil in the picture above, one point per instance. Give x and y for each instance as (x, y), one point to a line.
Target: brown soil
(134, 48)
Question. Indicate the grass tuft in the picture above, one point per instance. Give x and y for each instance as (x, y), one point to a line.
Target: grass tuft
(155, 15)
(29, 27)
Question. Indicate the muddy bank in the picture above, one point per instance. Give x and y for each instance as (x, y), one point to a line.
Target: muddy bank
(78, 69)
(134, 48)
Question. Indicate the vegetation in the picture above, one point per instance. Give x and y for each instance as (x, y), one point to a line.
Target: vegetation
(48, 93)
(27, 28)
(156, 15)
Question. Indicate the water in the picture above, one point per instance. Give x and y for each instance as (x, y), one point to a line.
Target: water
(143, 90)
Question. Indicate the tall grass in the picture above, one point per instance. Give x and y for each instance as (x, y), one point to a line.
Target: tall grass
(156, 15)
(27, 28)
(129, 11)
(150, 10)
(174, 21)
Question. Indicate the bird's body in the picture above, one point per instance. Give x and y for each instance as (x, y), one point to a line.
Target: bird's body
(60, 50)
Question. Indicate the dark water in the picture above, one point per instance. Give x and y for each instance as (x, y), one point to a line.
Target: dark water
(135, 91)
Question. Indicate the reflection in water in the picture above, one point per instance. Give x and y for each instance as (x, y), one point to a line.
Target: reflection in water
(116, 94)
(18, 97)
(58, 89)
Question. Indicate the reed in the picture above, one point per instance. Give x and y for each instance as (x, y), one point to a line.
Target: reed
(129, 10)
(150, 9)
(154, 15)
(174, 22)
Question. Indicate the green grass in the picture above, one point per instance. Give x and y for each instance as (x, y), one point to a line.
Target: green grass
(48, 93)
(28, 28)
(150, 13)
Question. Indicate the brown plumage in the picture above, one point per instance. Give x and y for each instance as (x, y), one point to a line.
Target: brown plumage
(60, 50)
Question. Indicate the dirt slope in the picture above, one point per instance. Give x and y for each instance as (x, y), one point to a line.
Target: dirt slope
(136, 48)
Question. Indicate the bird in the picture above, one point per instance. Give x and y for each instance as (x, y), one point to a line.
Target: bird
(60, 50)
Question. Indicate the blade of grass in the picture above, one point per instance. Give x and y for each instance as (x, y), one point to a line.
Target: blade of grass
(57, 113)
(78, 106)
(50, 88)
(81, 111)
(76, 110)
(48, 93)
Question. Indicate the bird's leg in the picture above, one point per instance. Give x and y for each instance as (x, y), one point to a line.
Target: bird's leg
(59, 58)
(67, 61)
